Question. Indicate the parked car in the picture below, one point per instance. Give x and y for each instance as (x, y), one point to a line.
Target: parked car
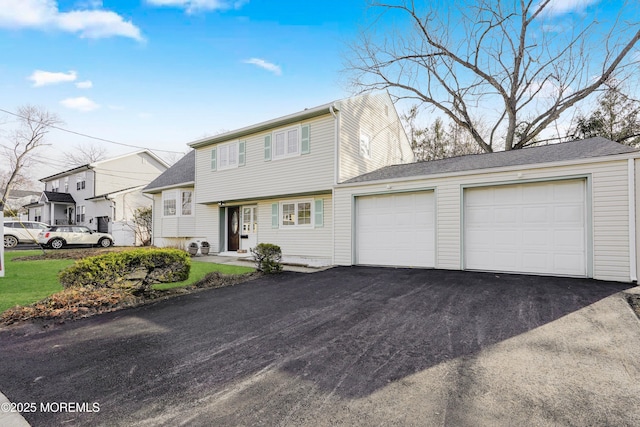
(59, 236)
(22, 232)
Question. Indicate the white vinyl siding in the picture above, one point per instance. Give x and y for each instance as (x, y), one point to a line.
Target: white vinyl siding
(302, 174)
(309, 242)
(607, 236)
(373, 117)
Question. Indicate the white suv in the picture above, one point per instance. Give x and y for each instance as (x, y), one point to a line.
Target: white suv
(22, 232)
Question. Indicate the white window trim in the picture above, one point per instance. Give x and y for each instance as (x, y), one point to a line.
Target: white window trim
(364, 147)
(286, 155)
(228, 146)
(296, 225)
(176, 195)
(180, 192)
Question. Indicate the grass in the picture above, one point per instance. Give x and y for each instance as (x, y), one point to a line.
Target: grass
(26, 282)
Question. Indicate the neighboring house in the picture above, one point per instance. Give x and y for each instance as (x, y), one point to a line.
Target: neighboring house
(102, 195)
(18, 198)
(564, 209)
(273, 182)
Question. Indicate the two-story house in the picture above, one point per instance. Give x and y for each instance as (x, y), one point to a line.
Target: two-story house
(273, 182)
(102, 195)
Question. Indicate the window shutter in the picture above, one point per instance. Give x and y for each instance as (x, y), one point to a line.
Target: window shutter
(267, 148)
(305, 146)
(214, 161)
(275, 221)
(318, 214)
(241, 152)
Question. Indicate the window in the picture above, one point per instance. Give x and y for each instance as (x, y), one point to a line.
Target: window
(37, 214)
(365, 146)
(228, 156)
(296, 213)
(80, 214)
(169, 203)
(187, 202)
(286, 143)
(80, 181)
(55, 185)
(66, 185)
(249, 220)
(170, 200)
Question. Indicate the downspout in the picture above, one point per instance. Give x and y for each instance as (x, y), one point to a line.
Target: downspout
(633, 267)
(336, 168)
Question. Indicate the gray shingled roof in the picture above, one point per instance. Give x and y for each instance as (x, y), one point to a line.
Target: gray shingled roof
(54, 196)
(566, 151)
(182, 172)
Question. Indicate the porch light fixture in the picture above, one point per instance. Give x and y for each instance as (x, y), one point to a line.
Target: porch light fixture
(221, 203)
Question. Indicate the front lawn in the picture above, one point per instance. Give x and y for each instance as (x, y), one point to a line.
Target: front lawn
(26, 282)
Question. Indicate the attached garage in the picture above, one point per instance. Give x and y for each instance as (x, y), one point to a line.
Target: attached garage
(528, 228)
(569, 209)
(396, 229)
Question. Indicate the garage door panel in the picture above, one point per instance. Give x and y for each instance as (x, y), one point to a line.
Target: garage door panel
(535, 214)
(530, 228)
(404, 231)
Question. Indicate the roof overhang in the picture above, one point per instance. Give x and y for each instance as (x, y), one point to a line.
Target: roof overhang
(260, 127)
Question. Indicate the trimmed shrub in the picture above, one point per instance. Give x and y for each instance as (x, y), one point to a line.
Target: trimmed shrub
(267, 257)
(135, 270)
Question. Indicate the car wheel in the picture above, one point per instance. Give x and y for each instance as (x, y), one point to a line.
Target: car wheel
(56, 243)
(105, 243)
(10, 242)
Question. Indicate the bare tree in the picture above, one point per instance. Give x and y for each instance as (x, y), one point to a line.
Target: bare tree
(437, 141)
(513, 67)
(84, 154)
(34, 124)
(617, 117)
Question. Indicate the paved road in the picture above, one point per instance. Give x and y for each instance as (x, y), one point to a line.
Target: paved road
(347, 346)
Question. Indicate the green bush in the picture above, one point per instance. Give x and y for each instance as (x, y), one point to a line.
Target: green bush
(267, 257)
(136, 269)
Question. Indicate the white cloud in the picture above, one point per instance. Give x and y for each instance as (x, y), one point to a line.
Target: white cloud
(81, 103)
(275, 69)
(191, 6)
(43, 78)
(560, 7)
(87, 84)
(44, 14)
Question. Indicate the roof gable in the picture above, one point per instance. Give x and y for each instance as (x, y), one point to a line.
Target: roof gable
(566, 151)
(182, 172)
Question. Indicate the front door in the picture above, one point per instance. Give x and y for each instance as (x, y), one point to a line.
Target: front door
(233, 228)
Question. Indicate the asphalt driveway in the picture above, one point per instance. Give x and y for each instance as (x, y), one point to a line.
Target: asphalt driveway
(347, 346)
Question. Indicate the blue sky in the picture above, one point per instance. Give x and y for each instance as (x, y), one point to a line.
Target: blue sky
(162, 73)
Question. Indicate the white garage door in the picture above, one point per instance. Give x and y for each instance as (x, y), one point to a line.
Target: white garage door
(529, 228)
(396, 230)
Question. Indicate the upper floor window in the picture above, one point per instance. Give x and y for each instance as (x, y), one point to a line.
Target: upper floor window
(80, 181)
(66, 184)
(228, 156)
(55, 185)
(288, 142)
(365, 145)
